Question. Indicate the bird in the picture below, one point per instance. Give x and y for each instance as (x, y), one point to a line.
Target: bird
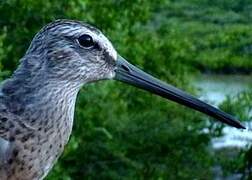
(37, 102)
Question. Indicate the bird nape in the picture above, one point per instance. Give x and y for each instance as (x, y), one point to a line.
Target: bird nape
(37, 102)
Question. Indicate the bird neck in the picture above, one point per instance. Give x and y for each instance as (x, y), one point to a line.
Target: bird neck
(44, 101)
(46, 108)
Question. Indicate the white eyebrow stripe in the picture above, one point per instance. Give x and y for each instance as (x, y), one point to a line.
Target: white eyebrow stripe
(78, 32)
(108, 46)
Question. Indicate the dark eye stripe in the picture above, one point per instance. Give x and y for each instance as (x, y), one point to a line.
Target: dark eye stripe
(97, 47)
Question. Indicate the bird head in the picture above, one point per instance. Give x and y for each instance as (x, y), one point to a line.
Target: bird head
(75, 52)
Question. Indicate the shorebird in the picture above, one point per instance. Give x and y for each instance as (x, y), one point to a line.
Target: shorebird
(37, 102)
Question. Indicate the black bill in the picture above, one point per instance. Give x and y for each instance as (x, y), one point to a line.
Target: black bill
(130, 74)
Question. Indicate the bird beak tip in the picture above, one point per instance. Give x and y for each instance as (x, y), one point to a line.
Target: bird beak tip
(132, 75)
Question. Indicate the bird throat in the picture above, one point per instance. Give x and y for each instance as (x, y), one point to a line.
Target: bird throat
(46, 109)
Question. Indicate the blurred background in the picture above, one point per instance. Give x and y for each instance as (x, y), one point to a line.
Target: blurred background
(201, 46)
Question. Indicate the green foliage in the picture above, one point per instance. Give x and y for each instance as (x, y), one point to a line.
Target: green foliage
(235, 160)
(211, 36)
(121, 132)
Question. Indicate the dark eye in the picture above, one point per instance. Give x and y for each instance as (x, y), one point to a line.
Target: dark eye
(86, 41)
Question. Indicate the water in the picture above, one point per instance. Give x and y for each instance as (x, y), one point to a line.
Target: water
(214, 89)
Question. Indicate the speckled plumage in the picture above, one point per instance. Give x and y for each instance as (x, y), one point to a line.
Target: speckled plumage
(37, 102)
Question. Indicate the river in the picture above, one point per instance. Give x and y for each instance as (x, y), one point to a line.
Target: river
(215, 89)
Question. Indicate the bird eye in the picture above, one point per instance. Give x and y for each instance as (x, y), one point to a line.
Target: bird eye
(86, 41)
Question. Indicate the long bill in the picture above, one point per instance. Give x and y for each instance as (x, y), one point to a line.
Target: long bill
(127, 73)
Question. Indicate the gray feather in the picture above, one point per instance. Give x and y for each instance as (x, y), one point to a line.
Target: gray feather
(37, 102)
